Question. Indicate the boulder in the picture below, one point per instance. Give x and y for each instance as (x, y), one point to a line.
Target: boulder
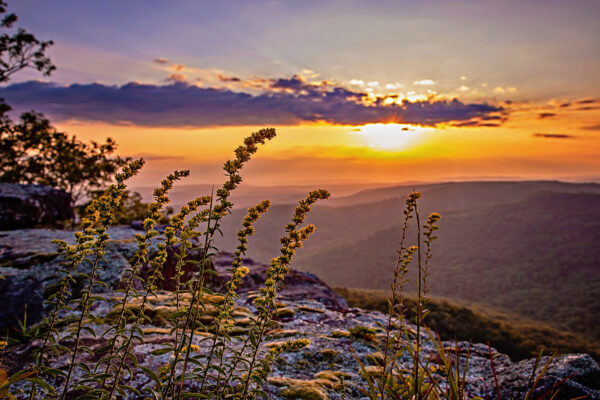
(28, 206)
(297, 284)
(568, 376)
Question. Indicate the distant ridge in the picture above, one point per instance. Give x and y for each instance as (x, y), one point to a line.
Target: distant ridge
(529, 247)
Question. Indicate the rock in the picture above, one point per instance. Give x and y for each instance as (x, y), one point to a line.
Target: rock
(284, 312)
(297, 284)
(371, 371)
(19, 298)
(325, 369)
(573, 375)
(313, 389)
(28, 206)
(375, 358)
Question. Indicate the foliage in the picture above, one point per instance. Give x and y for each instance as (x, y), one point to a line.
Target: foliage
(441, 376)
(510, 334)
(363, 332)
(225, 372)
(535, 256)
(21, 49)
(33, 151)
(131, 208)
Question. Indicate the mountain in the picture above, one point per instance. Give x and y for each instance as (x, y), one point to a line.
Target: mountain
(526, 247)
(248, 195)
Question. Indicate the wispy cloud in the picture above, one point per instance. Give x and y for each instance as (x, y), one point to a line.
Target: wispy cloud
(587, 101)
(553, 136)
(285, 101)
(425, 82)
(592, 127)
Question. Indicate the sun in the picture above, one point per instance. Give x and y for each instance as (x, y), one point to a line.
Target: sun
(391, 137)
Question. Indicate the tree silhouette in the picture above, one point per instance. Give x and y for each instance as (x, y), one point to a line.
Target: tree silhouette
(21, 49)
(32, 150)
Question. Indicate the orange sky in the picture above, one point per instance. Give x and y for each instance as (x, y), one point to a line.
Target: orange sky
(527, 146)
(493, 90)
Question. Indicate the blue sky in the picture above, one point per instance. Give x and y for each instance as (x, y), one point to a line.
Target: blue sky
(543, 48)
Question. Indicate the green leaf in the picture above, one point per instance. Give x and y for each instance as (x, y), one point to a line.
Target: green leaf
(151, 374)
(189, 395)
(159, 352)
(42, 383)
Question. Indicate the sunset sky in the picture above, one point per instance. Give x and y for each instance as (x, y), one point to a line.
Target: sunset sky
(359, 91)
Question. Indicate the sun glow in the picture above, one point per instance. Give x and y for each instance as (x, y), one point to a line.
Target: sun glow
(391, 136)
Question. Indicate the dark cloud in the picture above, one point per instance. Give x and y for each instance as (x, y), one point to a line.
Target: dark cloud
(224, 78)
(492, 118)
(586, 101)
(182, 104)
(476, 123)
(587, 108)
(546, 115)
(160, 60)
(553, 136)
(592, 127)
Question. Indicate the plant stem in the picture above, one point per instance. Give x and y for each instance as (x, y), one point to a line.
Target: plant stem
(419, 307)
(84, 311)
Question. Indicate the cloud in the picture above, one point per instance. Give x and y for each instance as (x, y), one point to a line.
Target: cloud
(310, 73)
(476, 123)
(592, 127)
(177, 78)
(286, 101)
(501, 90)
(587, 108)
(424, 82)
(553, 136)
(161, 60)
(546, 115)
(391, 86)
(587, 101)
(224, 78)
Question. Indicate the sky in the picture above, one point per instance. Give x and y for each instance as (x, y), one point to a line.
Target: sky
(359, 91)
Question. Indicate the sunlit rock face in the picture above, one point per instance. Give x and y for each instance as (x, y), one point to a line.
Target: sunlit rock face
(306, 309)
(27, 206)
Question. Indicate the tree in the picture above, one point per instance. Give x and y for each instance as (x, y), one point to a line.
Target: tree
(33, 151)
(21, 49)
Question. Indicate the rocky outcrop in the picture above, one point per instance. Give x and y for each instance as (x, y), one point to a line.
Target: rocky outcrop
(28, 206)
(575, 375)
(307, 308)
(297, 284)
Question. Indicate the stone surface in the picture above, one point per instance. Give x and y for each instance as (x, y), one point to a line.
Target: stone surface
(28, 206)
(326, 369)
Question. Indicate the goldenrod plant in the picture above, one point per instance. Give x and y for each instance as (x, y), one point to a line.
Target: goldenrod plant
(204, 361)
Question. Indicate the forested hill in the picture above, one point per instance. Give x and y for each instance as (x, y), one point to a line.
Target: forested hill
(527, 247)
